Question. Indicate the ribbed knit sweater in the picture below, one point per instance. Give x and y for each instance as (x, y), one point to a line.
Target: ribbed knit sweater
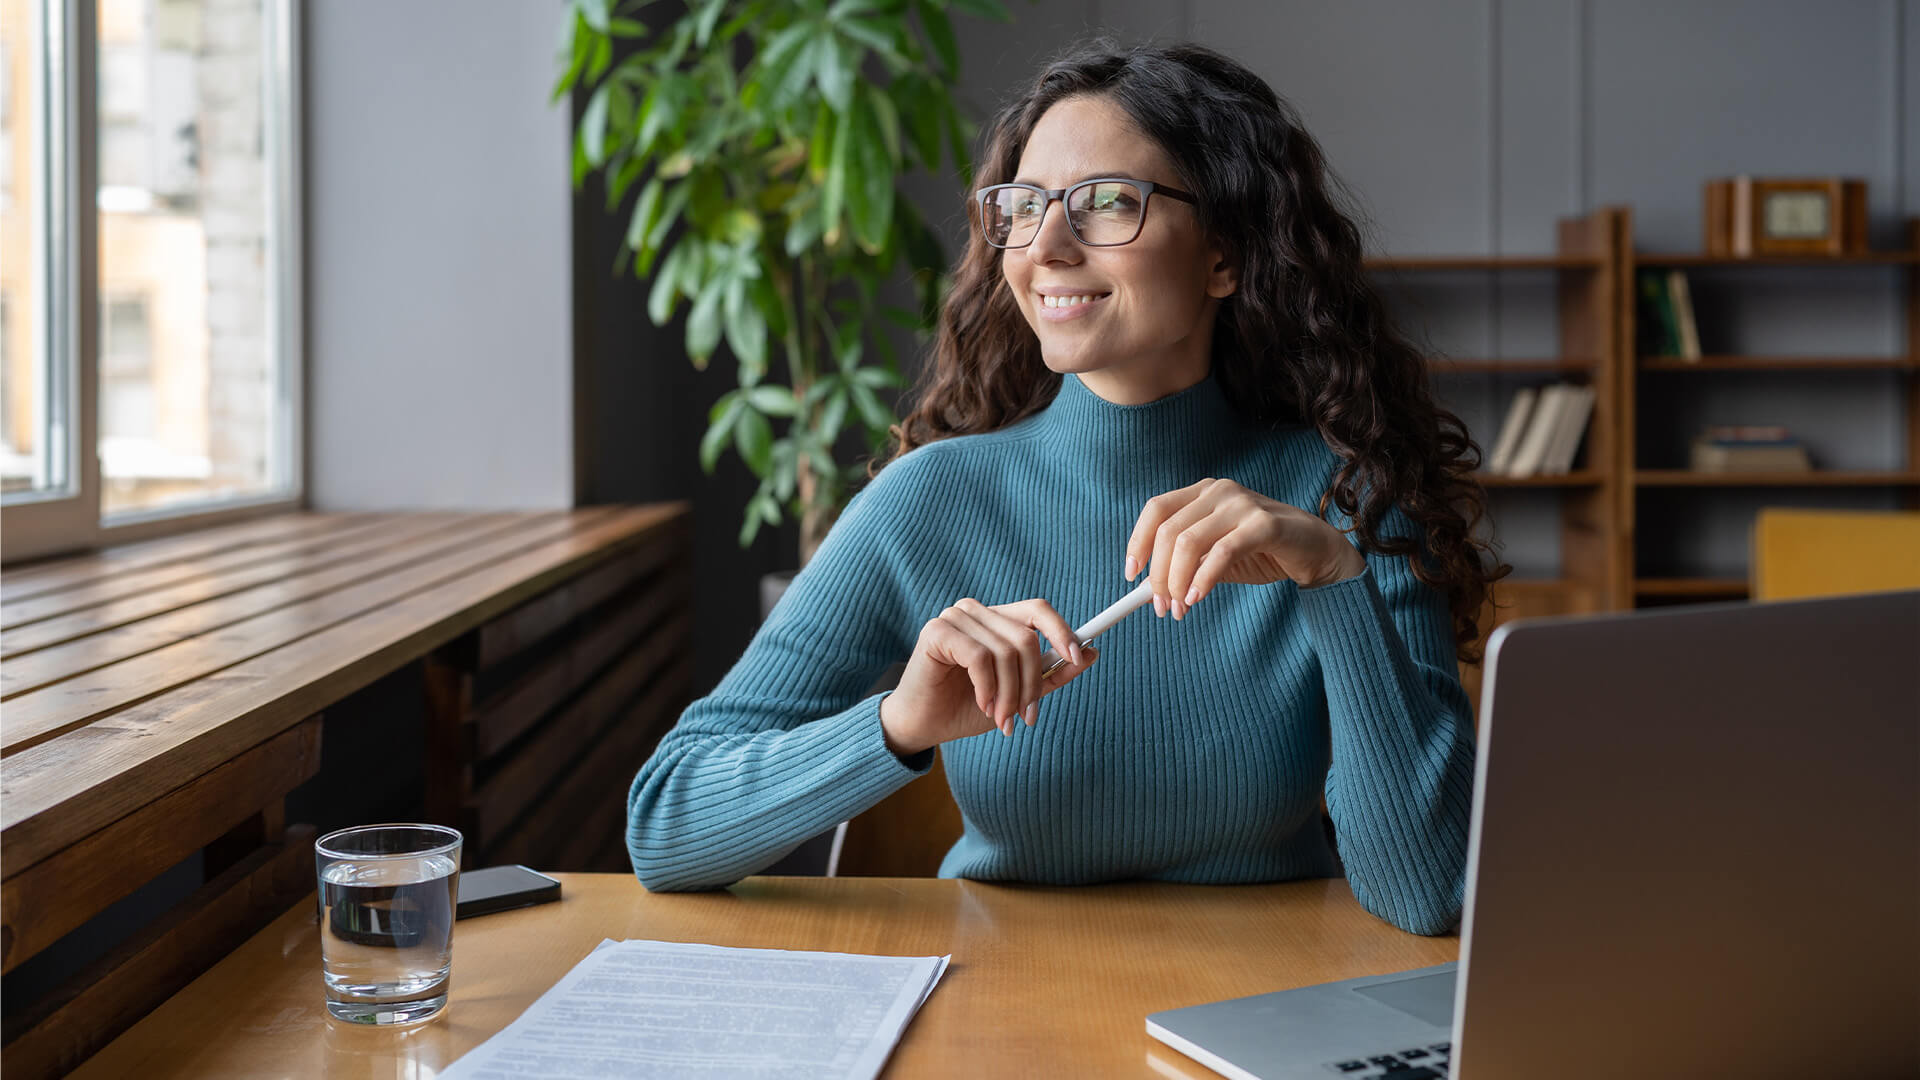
(1193, 751)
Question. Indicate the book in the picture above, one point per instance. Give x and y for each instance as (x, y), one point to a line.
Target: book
(1509, 439)
(1569, 431)
(1533, 445)
(1746, 433)
(1766, 457)
(1681, 299)
(1657, 334)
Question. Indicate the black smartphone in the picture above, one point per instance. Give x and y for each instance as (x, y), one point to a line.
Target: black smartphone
(497, 888)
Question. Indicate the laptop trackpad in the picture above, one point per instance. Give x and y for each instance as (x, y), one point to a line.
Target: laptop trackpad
(1423, 997)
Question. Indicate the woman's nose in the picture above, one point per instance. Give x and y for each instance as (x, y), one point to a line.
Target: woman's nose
(1054, 242)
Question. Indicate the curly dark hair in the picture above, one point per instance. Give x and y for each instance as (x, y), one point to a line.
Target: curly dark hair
(1306, 339)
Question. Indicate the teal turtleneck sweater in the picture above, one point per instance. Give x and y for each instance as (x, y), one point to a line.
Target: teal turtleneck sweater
(1193, 750)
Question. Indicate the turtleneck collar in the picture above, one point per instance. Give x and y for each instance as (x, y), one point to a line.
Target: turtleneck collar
(1163, 444)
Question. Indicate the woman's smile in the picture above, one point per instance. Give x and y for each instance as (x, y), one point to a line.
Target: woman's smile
(1073, 306)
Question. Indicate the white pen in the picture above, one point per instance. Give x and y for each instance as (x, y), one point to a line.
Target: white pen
(1141, 596)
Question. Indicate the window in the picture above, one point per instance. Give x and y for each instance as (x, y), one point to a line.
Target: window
(150, 284)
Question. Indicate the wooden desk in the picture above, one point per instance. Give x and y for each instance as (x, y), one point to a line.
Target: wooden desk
(1053, 981)
(161, 699)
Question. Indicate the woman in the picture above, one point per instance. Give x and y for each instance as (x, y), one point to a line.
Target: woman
(1160, 354)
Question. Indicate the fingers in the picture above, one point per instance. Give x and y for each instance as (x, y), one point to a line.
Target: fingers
(949, 641)
(1225, 551)
(1015, 642)
(1193, 547)
(1172, 533)
(1154, 514)
(1005, 696)
(1039, 615)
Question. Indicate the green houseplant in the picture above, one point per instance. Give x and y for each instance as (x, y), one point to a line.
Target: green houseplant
(765, 138)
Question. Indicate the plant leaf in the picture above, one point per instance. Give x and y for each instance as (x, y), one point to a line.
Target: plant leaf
(877, 377)
(873, 412)
(719, 432)
(703, 322)
(703, 28)
(644, 209)
(595, 12)
(939, 30)
(665, 292)
(833, 194)
(833, 416)
(834, 72)
(773, 400)
(746, 331)
(753, 438)
(593, 125)
(871, 207)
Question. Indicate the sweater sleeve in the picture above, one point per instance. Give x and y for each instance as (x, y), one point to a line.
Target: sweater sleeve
(789, 743)
(1400, 788)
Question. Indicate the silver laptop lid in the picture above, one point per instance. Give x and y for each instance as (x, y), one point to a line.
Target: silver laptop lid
(1696, 841)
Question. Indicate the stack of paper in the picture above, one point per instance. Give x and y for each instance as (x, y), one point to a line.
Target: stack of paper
(661, 1008)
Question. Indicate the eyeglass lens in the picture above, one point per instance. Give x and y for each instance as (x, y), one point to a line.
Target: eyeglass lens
(1100, 214)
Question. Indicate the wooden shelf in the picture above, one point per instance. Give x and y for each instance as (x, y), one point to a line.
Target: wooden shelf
(1581, 478)
(1869, 258)
(1485, 262)
(1446, 365)
(1781, 363)
(1536, 585)
(1733, 588)
(1816, 478)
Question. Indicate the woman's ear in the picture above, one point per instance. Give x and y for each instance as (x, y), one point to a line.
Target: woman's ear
(1224, 280)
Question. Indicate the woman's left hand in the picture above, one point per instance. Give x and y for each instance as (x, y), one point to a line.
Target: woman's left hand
(1197, 537)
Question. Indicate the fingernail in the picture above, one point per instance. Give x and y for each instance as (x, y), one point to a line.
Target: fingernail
(1133, 567)
(1074, 649)
(1192, 595)
(1179, 612)
(1159, 606)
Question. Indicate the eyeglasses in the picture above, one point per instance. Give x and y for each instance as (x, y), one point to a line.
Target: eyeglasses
(1100, 213)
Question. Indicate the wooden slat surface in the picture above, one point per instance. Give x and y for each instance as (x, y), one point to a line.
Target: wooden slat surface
(230, 594)
(45, 900)
(543, 761)
(38, 579)
(505, 716)
(518, 630)
(35, 717)
(104, 1000)
(86, 594)
(1044, 981)
(74, 765)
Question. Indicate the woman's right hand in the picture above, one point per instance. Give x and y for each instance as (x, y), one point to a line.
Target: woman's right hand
(974, 669)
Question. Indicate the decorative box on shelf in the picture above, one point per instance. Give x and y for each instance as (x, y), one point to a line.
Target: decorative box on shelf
(1745, 216)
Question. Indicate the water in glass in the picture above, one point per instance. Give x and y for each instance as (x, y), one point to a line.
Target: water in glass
(386, 935)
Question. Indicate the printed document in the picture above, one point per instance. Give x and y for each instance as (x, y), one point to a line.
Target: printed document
(668, 1009)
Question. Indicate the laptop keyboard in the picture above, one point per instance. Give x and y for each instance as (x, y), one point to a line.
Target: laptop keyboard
(1419, 1063)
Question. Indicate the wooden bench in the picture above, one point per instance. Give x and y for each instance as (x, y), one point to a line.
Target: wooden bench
(162, 699)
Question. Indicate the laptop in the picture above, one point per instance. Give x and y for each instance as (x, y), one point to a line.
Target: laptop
(1695, 852)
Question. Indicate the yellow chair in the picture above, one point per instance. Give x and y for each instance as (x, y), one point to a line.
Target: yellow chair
(1800, 553)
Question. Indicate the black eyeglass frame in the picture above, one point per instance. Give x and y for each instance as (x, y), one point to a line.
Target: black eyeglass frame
(1148, 189)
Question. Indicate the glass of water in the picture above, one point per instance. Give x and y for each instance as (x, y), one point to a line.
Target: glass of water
(387, 897)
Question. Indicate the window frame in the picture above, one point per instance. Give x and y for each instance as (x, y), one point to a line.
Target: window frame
(66, 155)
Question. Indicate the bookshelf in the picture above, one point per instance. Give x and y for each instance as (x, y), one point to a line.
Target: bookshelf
(1641, 483)
(1611, 492)
(1586, 280)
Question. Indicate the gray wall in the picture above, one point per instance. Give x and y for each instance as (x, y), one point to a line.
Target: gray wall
(438, 257)
(1468, 126)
